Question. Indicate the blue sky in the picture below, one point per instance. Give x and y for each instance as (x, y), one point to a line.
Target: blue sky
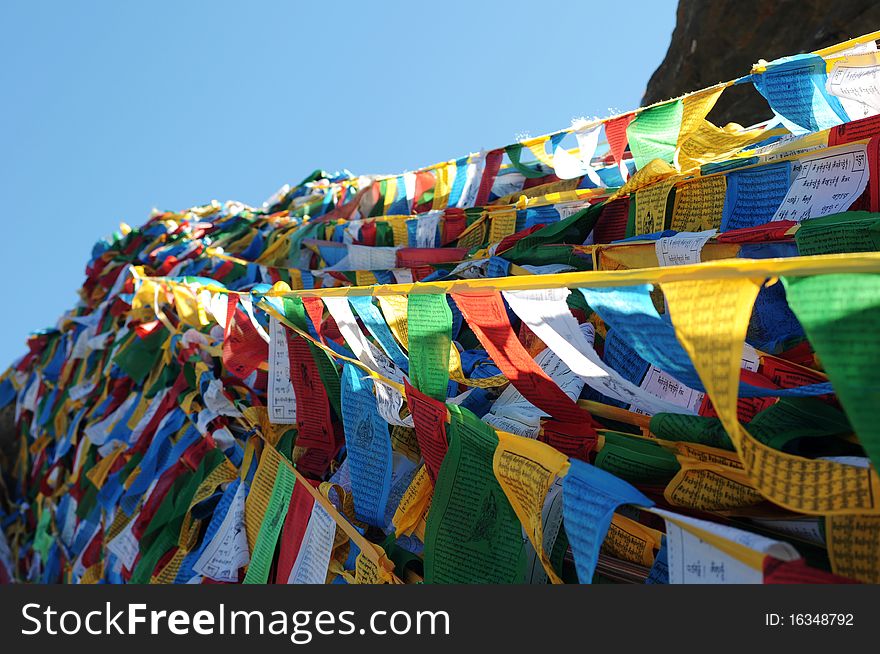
(113, 108)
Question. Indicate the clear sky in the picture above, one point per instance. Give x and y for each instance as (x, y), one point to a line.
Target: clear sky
(112, 108)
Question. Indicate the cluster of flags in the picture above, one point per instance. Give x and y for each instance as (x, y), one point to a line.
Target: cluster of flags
(639, 350)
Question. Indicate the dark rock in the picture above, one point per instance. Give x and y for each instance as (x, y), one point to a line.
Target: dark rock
(9, 440)
(719, 40)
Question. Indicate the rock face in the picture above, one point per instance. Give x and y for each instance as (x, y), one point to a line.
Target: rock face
(8, 437)
(719, 40)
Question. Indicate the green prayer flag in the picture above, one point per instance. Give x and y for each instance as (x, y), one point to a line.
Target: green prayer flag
(530, 171)
(635, 460)
(429, 324)
(473, 535)
(654, 133)
(138, 356)
(690, 429)
(572, 231)
(42, 539)
(792, 418)
(270, 529)
(850, 231)
(840, 314)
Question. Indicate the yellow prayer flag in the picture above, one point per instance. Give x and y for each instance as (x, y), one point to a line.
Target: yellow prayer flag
(710, 319)
(525, 468)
